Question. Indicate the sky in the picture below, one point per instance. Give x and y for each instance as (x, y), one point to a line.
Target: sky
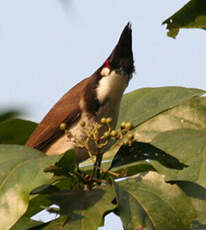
(46, 47)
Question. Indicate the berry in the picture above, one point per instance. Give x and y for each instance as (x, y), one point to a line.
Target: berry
(128, 125)
(106, 134)
(82, 123)
(130, 136)
(109, 120)
(63, 126)
(123, 124)
(103, 120)
(126, 142)
(113, 133)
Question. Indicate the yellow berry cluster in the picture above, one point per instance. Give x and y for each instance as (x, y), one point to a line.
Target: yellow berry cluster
(92, 133)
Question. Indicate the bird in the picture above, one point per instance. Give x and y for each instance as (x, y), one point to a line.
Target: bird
(89, 101)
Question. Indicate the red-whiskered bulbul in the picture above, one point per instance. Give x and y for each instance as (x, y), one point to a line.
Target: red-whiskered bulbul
(93, 98)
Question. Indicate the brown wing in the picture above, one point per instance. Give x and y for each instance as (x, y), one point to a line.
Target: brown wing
(67, 110)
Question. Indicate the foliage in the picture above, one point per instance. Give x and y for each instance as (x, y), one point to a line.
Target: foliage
(192, 15)
(21, 171)
(15, 131)
(9, 114)
(160, 160)
(144, 202)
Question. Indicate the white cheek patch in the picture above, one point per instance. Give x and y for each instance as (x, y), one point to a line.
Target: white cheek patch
(105, 71)
(111, 86)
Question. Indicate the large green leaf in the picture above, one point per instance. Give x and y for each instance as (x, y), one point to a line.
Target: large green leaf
(190, 114)
(192, 15)
(16, 131)
(143, 104)
(147, 202)
(21, 171)
(189, 146)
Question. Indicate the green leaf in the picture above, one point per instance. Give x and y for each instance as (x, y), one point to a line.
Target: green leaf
(189, 146)
(67, 162)
(190, 114)
(192, 15)
(82, 209)
(16, 131)
(44, 189)
(148, 106)
(143, 104)
(147, 202)
(21, 171)
(11, 113)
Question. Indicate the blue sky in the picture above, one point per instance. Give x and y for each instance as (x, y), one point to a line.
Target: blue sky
(46, 47)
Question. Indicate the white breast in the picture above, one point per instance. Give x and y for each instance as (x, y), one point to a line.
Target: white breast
(109, 94)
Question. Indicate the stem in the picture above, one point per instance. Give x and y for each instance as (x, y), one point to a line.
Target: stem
(96, 167)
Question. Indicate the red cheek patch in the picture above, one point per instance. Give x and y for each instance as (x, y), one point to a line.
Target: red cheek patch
(106, 69)
(107, 65)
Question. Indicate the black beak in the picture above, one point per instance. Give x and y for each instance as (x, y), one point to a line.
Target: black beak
(121, 57)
